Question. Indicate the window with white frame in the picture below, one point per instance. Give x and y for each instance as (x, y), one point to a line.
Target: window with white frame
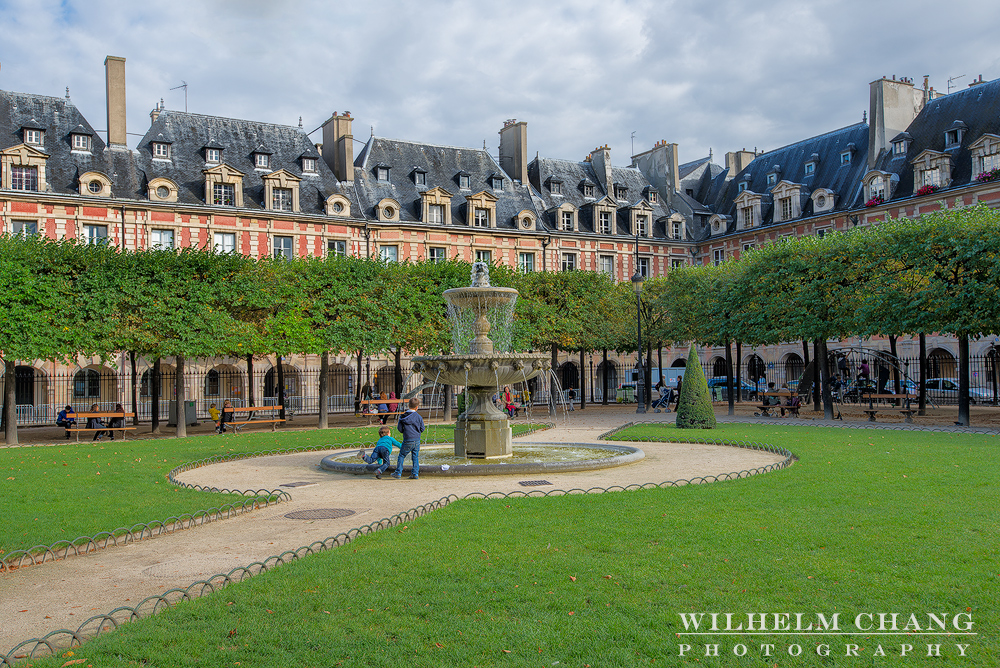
(748, 216)
(95, 187)
(213, 156)
(621, 192)
(566, 221)
(652, 196)
(497, 183)
(81, 142)
(526, 262)
(568, 261)
(786, 208)
(463, 181)
(718, 256)
(389, 253)
(161, 150)
(33, 137)
(876, 189)
(481, 217)
(898, 147)
(845, 158)
(990, 162)
(484, 256)
(588, 189)
(382, 174)
(607, 264)
(420, 178)
(336, 248)
(676, 229)
(281, 199)
(283, 247)
(436, 254)
(810, 168)
(309, 165)
(161, 239)
(224, 194)
(643, 267)
(641, 225)
(23, 178)
(224, 242)
(676, 263)
(96, 234)
(261, 160)
(555, 187)
(24, 228)
(930, 177)
(772, 179)
(435, 213)
(748, 247)
(604, 222)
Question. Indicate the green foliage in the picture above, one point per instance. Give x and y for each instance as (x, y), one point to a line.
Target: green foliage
(694, 410)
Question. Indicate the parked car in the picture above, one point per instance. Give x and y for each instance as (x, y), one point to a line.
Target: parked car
(718, 384)
(947, 389)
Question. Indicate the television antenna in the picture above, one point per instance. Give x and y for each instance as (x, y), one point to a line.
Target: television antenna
(950, 79)
(184, 85)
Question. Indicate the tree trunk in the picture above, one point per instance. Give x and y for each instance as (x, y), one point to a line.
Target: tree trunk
(250, 397)
(281, 388)
(805, 357)
(739, 371)
(398, 380)
(324, 388)
(154, 395)
(895, 369)
(729, 379)
(817, 381)
(648, 377)
(963, 379)
(448, 390)
(135, 389)
(357, 387)
(553, 389)
(9, 403)
(604, 376)
(922, 390)
(659, 358)
(824, 376)
(583, 383)
(180, 413)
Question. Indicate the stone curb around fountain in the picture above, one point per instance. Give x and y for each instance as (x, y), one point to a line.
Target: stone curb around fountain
(627, 455)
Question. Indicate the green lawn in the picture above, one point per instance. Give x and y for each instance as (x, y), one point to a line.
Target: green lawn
(67, 491)
(866, 522)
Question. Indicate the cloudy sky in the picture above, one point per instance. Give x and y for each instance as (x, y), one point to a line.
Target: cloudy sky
(719, 74)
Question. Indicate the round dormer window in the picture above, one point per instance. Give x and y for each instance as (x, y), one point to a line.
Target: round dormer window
(821, 201)
(388, 212)
(162, 192)
(526, 223)
(95, 187)
(715, 226)
(338, 207)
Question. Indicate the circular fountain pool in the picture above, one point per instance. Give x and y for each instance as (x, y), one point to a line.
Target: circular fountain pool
(527, 458)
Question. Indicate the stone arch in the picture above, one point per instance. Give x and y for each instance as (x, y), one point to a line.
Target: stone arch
(94, 384)
(718, 366)
(941, 364)
(794, 366)
(293, 383)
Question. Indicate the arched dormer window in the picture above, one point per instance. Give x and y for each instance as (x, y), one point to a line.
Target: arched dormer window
(387, 210)
(338, 205)
(95, 184)
(162, 190)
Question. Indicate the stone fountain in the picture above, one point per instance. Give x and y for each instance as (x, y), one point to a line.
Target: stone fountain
(482, 364)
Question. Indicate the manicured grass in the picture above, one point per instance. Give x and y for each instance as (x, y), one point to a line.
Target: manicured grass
(865, 522)
(67, 491)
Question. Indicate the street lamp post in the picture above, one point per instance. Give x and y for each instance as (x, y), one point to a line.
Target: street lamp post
(637, 288)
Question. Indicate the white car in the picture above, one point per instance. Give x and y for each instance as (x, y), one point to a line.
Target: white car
(947, 389)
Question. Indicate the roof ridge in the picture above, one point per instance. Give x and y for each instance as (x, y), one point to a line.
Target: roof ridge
(171, 112)
(814, 138)
(423, 143)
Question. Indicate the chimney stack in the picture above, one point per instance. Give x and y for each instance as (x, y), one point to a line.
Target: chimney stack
(736, 162)
(514, 149)
(601, 161)
(892, 107)
(338, 146)
(114, 68)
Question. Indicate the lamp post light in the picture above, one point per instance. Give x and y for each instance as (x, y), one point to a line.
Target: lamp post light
(637, 288)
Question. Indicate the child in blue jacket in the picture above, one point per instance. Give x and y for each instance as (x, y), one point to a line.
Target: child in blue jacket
(382, 451)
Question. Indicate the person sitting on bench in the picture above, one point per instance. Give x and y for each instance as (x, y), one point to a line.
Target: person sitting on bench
(117, 422)
(64, 420)
(227, 416)
(95, 423)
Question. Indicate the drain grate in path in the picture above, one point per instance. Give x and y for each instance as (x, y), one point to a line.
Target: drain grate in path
(319, 514)
(296, 484)
(533, 483)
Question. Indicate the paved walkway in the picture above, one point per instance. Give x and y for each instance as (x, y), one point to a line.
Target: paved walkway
(63, 594)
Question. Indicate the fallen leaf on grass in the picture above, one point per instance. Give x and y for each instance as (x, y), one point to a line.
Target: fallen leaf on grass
(607, 577)
(437, 644)
(573, 578)
(506, 651)
(73, 662)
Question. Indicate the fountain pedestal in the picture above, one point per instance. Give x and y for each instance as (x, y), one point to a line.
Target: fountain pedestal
(482, 431)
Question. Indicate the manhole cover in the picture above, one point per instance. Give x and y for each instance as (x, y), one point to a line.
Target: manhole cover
(533, 483)
(296, 484)
(320, 514)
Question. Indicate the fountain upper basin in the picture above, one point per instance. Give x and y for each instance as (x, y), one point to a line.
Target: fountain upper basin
(478, 298)
(482, 370)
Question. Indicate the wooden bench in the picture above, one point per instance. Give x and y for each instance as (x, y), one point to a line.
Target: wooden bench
(872, 397)
(784, 394)
(238, 426)
(400, 408)
(84, 416)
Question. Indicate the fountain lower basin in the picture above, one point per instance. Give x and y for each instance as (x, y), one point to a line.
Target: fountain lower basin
(527, 458)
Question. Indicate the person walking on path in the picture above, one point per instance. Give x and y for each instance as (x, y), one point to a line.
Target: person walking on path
(410, 425)
(677, 396)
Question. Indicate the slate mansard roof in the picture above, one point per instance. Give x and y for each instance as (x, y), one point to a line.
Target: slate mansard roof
(574, 176)
(59, 119)
(978, 108)
(442, 167)
(789, 164)
(189, 135)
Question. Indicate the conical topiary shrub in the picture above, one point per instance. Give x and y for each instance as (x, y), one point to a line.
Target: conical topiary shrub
(694, 410)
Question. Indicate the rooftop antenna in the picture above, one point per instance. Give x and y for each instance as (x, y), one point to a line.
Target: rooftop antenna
(950, 79)
(184, 85)
(633, 142)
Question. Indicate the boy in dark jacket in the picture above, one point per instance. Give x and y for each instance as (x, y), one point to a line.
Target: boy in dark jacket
(410, 425)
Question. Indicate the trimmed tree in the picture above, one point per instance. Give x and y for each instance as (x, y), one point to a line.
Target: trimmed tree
(694, 410)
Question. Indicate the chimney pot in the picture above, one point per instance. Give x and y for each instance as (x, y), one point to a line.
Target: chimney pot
(114, 69)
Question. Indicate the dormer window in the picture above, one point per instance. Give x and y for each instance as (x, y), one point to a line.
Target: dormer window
(309, 165)
(81, 142)
(641, 225)
(161, 150)
(845, 158)
(33, 137)
(213, 156)
(382, 173)
(621, 192)
(497, 183)
(261, 160)
(588, 189)
(901, 144)
(419, 177)
(464, 181)
(741, 186)
(555, 186)
(772, 179)
(651, 196)
(810, 168)
(953, 135)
